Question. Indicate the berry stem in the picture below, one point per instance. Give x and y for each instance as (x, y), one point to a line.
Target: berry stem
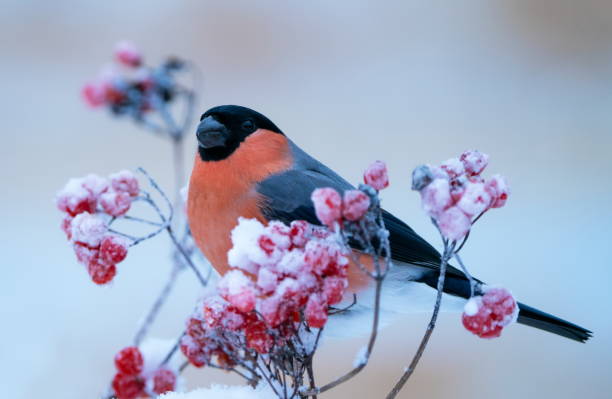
(448, 251)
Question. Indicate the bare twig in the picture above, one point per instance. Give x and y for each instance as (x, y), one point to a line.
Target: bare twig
(157, 305)
(448, 250)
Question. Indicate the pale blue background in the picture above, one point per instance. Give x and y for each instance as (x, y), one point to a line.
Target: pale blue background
(529, 82)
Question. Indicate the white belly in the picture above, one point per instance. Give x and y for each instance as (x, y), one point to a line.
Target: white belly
(400, 296)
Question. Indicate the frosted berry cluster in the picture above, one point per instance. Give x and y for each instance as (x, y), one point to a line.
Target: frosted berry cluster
(89, 203)
(332, 208)
(133, 381)
(128, 87)
(487, 315)
(455, 193)
(282, 276)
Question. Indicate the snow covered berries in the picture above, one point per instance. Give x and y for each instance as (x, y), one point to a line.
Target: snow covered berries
(487, 315)
(88, 205)
(139, 374)
(455, 195)
(281, 274)
(129, 87)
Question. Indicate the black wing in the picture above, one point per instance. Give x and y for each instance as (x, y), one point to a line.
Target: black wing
(287, 198)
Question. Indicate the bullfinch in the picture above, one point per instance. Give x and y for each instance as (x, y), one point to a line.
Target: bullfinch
(246, 166)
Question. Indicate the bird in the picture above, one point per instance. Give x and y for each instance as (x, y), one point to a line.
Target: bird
(246, 167)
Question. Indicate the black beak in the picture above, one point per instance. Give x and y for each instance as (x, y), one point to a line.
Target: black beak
(211, 133)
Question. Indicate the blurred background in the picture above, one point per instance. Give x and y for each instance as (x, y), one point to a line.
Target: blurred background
(528, 82)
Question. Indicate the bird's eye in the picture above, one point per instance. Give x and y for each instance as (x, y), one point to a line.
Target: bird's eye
(248, 125)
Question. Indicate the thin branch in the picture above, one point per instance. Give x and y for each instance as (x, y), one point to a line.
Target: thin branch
(186, 256)
(430, 327)
(157, 305)
(370, 346)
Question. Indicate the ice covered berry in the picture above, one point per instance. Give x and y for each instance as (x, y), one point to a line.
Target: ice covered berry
(86, 254)
(88, 229)
(127, 54)
(355, 205)
(101, 273)
(93, 94)
(316, 311)
(116, 203)
(328, 205)
(376, 175)
(453, 167)
(129, 361)
(498, 189)
(436, 197)
(75, 199)
(257, 337)
(454, 224)
(128, 386)
(125, 181)
(164, 381)
(474, 162)
(474, 200)
(238, 289)
(487, 315)
(113, 249)
(66, 226)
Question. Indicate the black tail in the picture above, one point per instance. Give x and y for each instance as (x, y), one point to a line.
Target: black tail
(543, 321)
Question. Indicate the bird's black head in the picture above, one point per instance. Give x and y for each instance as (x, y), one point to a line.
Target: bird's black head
(223, 128)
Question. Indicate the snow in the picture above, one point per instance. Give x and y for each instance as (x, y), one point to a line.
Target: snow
(454, 224)
(436, 197)
(454, 167)
(154, 351)
(224, 392)
(474, 161)
(361, 357)
(246, 253)
(88, 229)
(472, 305)
(474, 200)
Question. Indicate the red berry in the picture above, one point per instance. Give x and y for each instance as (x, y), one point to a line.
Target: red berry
(116, 203)
(88, 229)
(129, 361)
(454, 224)
(127, 54)
(194, 351)
(93, 94)
(101, 273)
(376, 175)
(125, 181)
(436, 197)
(498, 189)
(164, 381)
(453, 167)
(475, 199)
(113, 249)
(316, 311)
(258, 338)
(355, 205)
(128, 386)
(333, 289)
(66, 226)
(299, 232)
(96, 185)
(86, 254)
(474, 162)
(328, 205)
(75, 199)
(487, 315)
